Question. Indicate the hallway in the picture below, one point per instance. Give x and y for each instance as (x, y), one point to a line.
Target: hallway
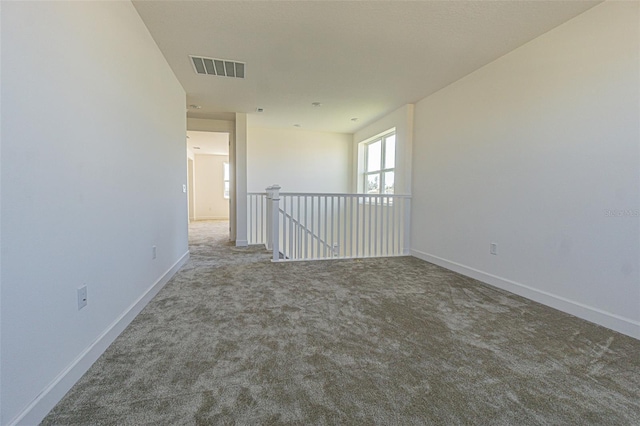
(209, 247)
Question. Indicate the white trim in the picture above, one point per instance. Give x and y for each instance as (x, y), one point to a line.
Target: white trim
(225, 164)
(212, 218)
(384, 133)
(363, 161)
(242, 243)
(320, 259)
(610, 320)
(57, 389)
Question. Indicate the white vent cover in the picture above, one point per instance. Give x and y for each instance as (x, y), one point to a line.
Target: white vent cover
(221, 67)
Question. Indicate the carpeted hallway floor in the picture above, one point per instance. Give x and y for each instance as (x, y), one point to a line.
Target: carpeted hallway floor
(236, 339)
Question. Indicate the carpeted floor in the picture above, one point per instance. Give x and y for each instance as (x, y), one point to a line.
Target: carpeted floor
(236, 339)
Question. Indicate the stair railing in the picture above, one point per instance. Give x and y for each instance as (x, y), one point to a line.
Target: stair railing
(313, 226)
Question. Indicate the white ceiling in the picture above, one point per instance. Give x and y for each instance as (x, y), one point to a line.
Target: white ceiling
(359, 59)
(213, 143)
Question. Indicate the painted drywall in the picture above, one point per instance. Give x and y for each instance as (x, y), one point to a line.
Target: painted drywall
(210, 125)
(298, 160)
(93, 163)
(238, 156)
(1, 316)
(209, 187)
(539, 152)
(402, 120)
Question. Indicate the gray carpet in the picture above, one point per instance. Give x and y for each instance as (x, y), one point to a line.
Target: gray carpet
(236, 339)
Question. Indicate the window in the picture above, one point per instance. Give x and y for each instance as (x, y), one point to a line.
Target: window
(226, 180)
(379, 165)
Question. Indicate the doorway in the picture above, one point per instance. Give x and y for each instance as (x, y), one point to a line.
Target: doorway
(208, 176)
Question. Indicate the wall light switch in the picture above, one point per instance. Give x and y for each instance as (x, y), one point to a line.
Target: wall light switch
(493, 248)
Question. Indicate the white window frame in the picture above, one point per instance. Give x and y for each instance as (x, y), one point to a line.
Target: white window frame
(365, 173)
(225, 182)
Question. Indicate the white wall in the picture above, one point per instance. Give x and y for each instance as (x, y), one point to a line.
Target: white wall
(238, 156)
(207, 125)
(298, 160)
(93, 163)
(402, 120)
(209, 187)
(530, 152)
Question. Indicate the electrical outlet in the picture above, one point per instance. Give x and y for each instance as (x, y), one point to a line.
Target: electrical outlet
(336, 249)
(493, 248)
(154, 252)
(82, 297)
(184, 188)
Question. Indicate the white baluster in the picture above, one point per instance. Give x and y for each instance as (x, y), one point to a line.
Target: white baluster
(274, 195)
(407, 227)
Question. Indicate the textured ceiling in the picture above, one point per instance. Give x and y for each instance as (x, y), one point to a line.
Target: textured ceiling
(359, 59)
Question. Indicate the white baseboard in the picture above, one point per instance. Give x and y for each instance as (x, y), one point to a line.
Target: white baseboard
(606, 319)
(212, 218)
(58, 388)
(242, 243)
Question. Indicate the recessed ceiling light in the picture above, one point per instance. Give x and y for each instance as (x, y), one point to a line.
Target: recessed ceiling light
(354, 119)
(316, 104)
(193, 106)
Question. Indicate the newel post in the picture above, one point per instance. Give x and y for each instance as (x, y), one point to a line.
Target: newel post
(273, 215)
(268, 221)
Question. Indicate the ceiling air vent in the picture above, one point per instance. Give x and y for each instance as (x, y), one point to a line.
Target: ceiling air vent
(221, 67)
